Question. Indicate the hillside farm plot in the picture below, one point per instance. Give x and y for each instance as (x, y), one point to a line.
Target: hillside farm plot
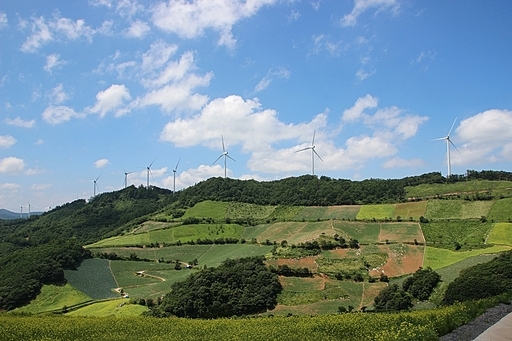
(119, 307)
(295, 263)
(409, 210)
(476, 209)
(254, 231)
(445, 233)
(462, 187)
(157, 289)
(457, 209)
(93, 278)
(450, 272)
(401, 259)
(400, 232)
(184, 253)
(238, 210)
(186, 233)
(299, 291)
(438, 258)
(501, 233)
(54, 297)
(282, 231)
(343, 212)
(365, 233)
(208, 209)
(132, 273)
(379, 212)
(311, 213)
(218, 253)
(500, 210)
(129, 239)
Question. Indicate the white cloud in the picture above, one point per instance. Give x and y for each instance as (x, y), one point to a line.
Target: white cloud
(40, 187)
(189, 19)
(59, 114)
(280, 72)
(58, 95)
(362, 74)
(11, 165)
(40, 35)
(111, 99)
(7, 141)
(484, 138)
(361, 6)
(19, 122)
(53, 61)
(323, 43)
(9, 186)
(138, 29)
(158, 55)
(397, 162)
(101, 163)
(293, 16)
(3, 20)
(354, 113)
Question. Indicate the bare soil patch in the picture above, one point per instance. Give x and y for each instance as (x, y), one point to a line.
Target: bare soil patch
(402, 259)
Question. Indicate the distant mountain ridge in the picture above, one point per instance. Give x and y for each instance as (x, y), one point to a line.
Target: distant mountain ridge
(8, 215)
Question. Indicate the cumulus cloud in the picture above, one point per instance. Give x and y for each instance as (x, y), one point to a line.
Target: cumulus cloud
(138, 29)
(59, 28)
(58, 95)
(111, 99)
(9, 186)
(3, 20)
(101, 163)
(354, 113)
(484, 137)
(53, 62)
(11, 165)
(361, 6)
(7, 141)
(190, 19)
(19, 122)
(60, 114)
(281, 72)
(158, 55)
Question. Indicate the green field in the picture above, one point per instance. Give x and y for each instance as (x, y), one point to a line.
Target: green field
(437, 258)
(208, 209)
(379, 212)
(409, 210)
(343, 212)
(364, 232)
(501, 233)
(237, 210)
(54, 297)
(445, 233)
(119, 307)
(463, 188)
(93, 278)
(181, 233)
(501, 211)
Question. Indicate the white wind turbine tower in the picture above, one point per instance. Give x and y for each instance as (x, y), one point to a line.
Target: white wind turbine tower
(225, 154)
(174, 174)
(313, 153)
(448, 142)
(126, 177)
(96, 184)
(149, 170)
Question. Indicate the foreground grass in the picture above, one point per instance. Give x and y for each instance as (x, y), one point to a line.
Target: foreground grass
(54, 297)
(423, 325)
(438, 258)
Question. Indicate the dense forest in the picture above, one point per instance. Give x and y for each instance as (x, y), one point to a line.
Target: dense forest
(237, 287)
(81, 222)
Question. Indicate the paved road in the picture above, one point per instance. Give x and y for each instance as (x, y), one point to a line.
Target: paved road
(501, 331)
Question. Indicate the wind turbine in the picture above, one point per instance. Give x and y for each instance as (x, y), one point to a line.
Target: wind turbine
(225, 154)
(448, 142)
(96, 184)
(126, 177)
(174, 173)
(313, 153)
(149, 170)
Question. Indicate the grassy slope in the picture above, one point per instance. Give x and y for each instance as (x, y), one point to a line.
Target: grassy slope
(467, 187)
(438, 258)
(501, 233)
(54, 297)
(119, 307)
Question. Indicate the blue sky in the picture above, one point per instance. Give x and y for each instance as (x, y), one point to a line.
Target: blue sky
(101, 88)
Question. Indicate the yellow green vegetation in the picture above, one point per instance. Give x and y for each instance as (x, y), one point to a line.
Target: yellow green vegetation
(437, 258)
(457, 209)
(118, 307)
(501, 233)
(382, 211)
(208, 209)
(423, 325)
(54, 297)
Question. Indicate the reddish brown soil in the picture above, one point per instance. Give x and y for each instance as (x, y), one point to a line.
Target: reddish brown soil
(401, 264)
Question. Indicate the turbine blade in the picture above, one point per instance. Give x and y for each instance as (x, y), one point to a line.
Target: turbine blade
(151, 164)
(230, 157)
(176, 168)
(314, 151)
(453, 124)
(313, 141)
(223, 149)
(98, 177)
(455, 147)
(439, 139)
(303, 149)
(221, 155)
